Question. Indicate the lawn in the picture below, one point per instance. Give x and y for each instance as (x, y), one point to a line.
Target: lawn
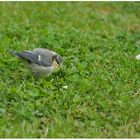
(98, 42)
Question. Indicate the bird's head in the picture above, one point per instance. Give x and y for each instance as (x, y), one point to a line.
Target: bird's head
(57, 61)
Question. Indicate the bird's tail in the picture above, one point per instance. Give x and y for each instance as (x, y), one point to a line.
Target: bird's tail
(13, 53)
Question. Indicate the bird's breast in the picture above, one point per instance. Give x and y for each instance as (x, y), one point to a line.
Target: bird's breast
(41, 70)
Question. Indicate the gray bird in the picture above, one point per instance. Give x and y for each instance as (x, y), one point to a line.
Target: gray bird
(42, 62)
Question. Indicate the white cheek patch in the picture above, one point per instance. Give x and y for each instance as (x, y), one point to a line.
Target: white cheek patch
(39, 57)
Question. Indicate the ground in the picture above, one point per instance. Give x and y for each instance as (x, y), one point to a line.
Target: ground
(96, 94)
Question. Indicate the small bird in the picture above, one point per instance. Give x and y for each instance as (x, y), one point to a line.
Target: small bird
(42, 62)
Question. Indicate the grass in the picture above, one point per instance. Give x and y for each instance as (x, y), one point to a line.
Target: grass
(98, 42)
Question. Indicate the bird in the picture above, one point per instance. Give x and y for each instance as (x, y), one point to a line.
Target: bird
(42, 62)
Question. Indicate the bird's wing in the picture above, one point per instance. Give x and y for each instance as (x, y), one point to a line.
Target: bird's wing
(46, 56)
(32, 57)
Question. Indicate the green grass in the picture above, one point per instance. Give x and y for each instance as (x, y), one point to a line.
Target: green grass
(98, 42)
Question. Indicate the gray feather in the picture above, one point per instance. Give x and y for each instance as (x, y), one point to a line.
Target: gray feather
(46, 55)
(32, 57)
(12, 52)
